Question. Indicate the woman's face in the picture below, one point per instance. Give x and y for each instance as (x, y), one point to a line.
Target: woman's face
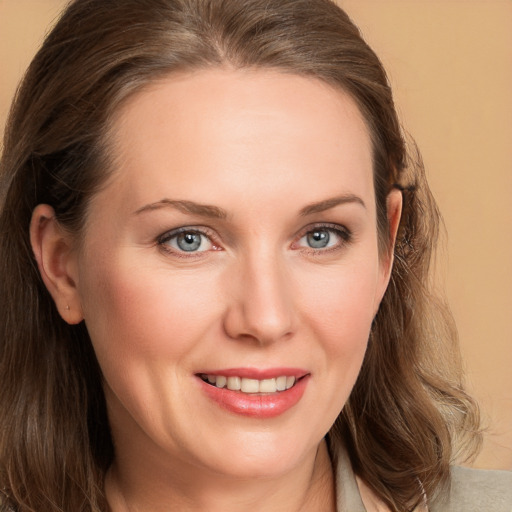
(235, 243)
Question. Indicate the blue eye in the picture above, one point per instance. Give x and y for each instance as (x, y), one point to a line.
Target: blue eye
(318, 239)
(324, 238)
(187, 241)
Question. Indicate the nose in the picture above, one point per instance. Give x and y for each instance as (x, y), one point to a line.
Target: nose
(261, 306)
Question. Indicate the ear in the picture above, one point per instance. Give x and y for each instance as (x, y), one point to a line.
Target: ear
(394, 213)
(57, 262)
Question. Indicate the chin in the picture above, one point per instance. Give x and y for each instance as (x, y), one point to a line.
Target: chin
(261, 456)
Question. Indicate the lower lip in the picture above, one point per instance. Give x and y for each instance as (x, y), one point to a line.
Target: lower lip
(256, 405)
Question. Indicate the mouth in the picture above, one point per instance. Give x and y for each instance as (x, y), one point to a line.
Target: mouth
(257, 393)
(250, 386)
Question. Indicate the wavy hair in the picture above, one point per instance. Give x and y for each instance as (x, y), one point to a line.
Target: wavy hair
(408, 409)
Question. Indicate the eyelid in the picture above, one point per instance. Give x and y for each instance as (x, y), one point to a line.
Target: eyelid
(172, 233)
(342, 231)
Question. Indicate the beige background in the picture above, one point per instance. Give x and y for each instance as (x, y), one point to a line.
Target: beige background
(450, 62)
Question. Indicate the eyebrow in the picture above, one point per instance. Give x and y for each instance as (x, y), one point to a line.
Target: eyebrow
(327, 204)
(204, 210)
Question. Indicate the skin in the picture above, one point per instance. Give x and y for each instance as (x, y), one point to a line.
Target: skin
(262, 146)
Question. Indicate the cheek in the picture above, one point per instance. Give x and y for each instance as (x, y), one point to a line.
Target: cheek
(342, 300)
(139, 315)
(339, 308)
(146, 326)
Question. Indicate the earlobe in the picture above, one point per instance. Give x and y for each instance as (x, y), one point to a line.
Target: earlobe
(56, 261)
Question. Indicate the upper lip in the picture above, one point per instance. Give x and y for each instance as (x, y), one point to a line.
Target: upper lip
(257, 373)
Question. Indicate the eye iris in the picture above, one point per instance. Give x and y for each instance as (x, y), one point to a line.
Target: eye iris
(189, 241)
(318, 239)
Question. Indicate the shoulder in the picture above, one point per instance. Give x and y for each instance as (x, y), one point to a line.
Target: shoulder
(475, 490)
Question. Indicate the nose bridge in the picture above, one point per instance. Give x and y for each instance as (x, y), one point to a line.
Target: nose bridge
(262, 305)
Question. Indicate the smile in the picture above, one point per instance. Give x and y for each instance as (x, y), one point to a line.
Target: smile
(256, 393)
(250, 386)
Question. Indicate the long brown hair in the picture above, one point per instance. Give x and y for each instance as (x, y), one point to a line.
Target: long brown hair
(408, 406)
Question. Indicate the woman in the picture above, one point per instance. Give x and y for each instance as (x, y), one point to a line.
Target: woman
(215, 256)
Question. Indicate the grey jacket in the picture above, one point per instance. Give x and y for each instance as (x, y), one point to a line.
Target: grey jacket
(472, 490)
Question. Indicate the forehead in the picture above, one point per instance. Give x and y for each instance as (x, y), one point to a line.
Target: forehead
(249, 132)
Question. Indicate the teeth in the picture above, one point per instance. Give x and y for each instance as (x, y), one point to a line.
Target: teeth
(234, 383)
(281, 383)
(268, 386)
(250, 385)
(221, 381)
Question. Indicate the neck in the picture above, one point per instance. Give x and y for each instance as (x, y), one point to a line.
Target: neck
(309, 487)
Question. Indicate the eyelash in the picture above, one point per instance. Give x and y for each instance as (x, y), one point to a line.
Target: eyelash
(342, 232)
(163, 240)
